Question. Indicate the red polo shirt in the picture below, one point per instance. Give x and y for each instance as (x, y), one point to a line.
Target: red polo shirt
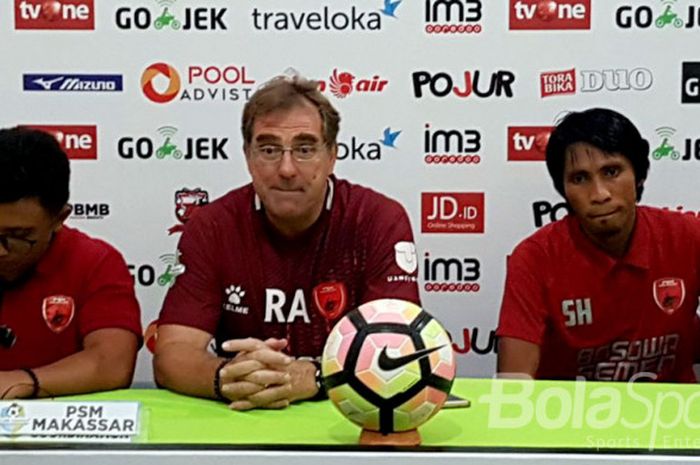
(80, 285)
(605, 318)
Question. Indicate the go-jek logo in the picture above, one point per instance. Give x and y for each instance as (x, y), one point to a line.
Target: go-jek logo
(54, 14)
(145, 275)
(453, 16)
(666, 15)
(451, 274)
(165, 16)
(356, 149)
(343, 83)
(550, 14)
(162, 83)
(451, 146)
(327, 18)
(666, 148)
(168, 146)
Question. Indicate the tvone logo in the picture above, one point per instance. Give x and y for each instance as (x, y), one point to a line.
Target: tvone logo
(161, 83)
(452, 212)
(471, 342)
(499, 84)
(452, 16)
(545, 212)
(666, 16)
(450, 146)
(78, 141)
(192, 19)
(451, 274)
(190, 148)
(54, 14)
(528, 143)
(550, 14)
(690, 82)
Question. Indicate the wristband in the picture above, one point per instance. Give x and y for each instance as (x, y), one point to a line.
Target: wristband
(217, 380)
(35, 382)
(318, 378)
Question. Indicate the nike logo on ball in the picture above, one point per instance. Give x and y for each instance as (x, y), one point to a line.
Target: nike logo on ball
(387, 362)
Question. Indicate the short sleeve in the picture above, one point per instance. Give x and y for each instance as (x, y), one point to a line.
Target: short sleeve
(109, 300)
(392, 264)
(524, 308)
(195, 297)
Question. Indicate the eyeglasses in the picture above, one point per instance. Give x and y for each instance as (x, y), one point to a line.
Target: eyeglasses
(16, 245)
(273, 153)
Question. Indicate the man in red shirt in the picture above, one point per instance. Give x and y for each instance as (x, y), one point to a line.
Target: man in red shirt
(271, 266)
(610, 291)
(69, 319)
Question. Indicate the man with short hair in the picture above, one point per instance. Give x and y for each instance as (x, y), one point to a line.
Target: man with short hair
(271, 266)
(69, 319)
(610, 291)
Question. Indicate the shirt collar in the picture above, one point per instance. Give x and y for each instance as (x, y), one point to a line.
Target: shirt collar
(638, 253)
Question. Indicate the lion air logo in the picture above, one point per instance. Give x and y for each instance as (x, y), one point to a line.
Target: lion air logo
(341, 83)
(330, 299)
(187, 202)
(58, 312)
(669, 294)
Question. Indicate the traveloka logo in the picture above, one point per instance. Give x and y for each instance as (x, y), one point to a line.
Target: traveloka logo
(164, 17)
(666, 16)
(343, 83)
(73, 82)
(372, 150)
(168, 146)
(162, 83)
(327, 18)
(453, 16)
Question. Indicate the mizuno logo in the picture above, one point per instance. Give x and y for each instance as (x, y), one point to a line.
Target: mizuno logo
(388, 363)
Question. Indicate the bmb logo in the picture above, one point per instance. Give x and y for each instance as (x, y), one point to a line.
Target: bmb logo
(54, 14)
(452, 212)
(89, 211)
(452, 16)
(550, 14)
(528, 143)
(79, 142)
(450, 146)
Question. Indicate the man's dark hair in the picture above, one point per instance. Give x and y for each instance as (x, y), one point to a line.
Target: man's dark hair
(605, 129)
(32, 164)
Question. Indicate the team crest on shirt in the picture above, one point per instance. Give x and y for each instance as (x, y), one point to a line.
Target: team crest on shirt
(58, 312)
(330, 299)
(669, 294)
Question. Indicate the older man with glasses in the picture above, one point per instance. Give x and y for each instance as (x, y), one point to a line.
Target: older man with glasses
(271, 266)
(69, 319)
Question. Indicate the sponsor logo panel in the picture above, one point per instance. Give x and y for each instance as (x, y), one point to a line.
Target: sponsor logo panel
(54, 14)
(452, 212)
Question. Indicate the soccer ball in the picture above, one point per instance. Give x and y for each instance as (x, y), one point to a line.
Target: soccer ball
(388, 366)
